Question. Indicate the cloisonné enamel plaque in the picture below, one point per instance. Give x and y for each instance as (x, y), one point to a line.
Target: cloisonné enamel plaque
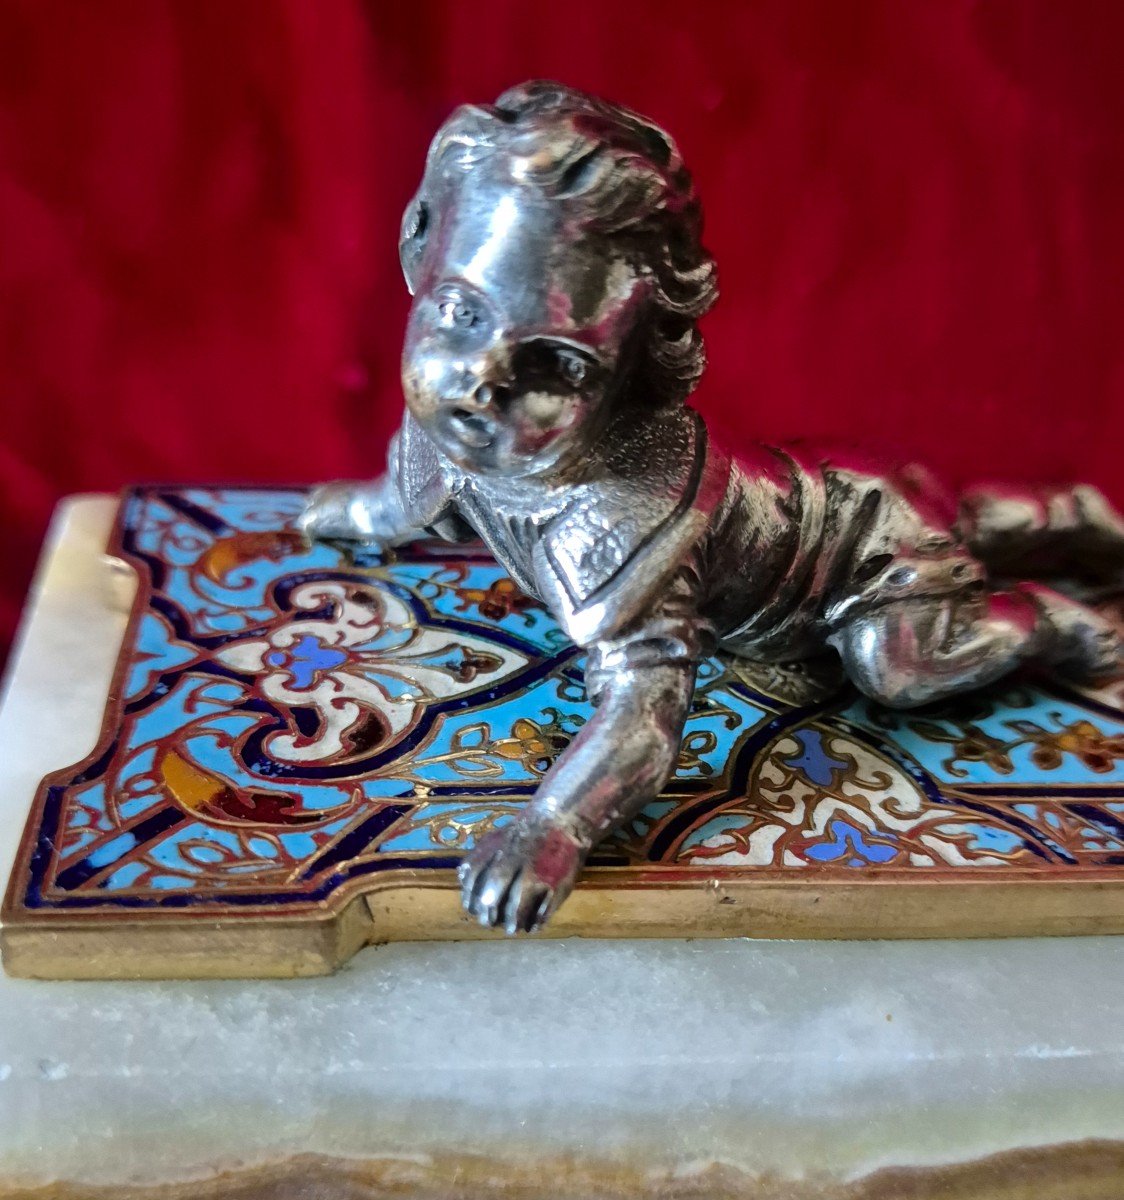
(302, 742)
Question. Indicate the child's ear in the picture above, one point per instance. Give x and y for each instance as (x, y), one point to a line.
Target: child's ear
(411, 242)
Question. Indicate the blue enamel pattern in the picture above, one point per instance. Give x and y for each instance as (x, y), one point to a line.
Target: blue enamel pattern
(292, 717)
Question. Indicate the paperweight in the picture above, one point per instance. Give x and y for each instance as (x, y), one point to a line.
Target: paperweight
(301, 742)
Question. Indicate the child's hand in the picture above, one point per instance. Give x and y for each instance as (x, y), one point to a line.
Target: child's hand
(518, 875)
(352, 512)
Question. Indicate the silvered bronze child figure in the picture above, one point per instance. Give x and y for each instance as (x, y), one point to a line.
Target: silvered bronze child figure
(558, 277)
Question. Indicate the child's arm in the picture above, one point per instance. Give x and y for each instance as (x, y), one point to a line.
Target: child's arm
(620, 760)
(517, 876)
(412, 496)
(358, 511)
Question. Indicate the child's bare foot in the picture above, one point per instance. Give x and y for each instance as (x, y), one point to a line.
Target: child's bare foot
(1084, 643)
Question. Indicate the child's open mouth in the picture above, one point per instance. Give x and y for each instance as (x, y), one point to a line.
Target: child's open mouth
(471, 429)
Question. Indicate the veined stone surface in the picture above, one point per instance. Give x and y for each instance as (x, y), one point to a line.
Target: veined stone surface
(791, 1061)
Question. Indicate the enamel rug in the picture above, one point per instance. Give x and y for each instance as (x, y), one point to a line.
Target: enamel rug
(301, 743)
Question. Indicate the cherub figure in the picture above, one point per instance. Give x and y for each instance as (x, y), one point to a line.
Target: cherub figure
(554, 257)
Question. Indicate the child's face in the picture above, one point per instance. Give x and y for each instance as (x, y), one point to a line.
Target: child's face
(519, 331)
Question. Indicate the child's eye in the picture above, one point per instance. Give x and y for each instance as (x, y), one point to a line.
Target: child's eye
(455, 313)
(548, 364)
(574, 369)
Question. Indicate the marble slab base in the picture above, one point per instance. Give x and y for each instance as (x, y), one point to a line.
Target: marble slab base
(568, 1068)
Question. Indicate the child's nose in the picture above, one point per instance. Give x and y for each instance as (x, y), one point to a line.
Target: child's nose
(488, 396)
(481, 386)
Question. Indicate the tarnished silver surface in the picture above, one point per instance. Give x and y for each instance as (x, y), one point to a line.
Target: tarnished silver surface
(554, 257)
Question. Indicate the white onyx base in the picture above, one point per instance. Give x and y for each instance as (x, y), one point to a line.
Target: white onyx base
(784, 1061)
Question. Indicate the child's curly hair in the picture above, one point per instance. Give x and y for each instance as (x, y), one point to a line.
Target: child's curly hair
(627, 180)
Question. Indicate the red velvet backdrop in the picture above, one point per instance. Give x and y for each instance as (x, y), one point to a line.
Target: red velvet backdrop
(917, 209)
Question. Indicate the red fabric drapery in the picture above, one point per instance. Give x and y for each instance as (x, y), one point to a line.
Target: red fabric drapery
(915, 207)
